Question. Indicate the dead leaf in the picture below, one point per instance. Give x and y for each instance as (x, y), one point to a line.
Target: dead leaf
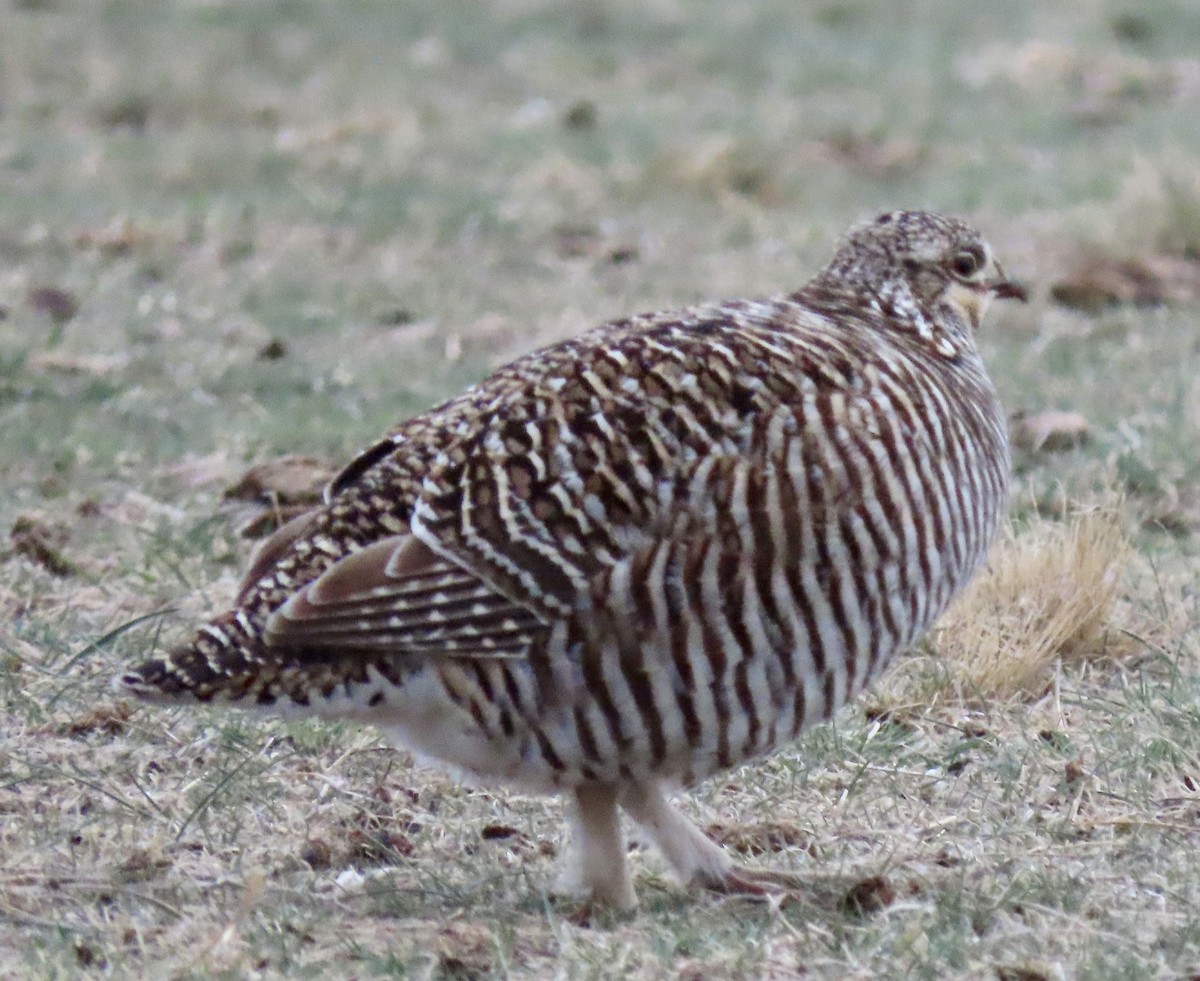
(375, 846)
(288, 480)
(96, 365)
(576, 241)
(89, 507)
(58, 303)
(259, 522)
(581, 114)
(464, 951)
(869, 896)
(273, 350)
(143, 864)
(1098, 281)
(874, 156)
(501, 832)
(119, 238)
(41, 542)
(192, 471)
(1051, 431)
(317, 854)
(88, 956)
(130, 112)
(111, 720)
(761, 838)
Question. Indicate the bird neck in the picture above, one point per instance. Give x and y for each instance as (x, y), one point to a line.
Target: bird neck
(937, 329)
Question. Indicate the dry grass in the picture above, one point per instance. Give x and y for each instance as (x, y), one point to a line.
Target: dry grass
(1045, 601)
(237, 231)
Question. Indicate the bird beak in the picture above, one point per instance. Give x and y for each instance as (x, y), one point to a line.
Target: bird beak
(1005, 288)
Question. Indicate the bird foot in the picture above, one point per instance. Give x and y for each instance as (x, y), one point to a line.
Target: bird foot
(754, 883)
(589, 914)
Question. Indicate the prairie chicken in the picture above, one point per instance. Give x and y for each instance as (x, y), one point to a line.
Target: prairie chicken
(647, 554)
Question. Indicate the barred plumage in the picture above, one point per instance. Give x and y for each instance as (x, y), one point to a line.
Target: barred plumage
(649, 553)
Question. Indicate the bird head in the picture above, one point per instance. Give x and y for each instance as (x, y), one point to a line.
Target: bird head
(928, 261)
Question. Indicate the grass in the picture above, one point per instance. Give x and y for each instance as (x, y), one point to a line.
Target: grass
(282, 226)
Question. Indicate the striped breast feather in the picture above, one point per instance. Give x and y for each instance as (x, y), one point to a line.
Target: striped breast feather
(397, 596)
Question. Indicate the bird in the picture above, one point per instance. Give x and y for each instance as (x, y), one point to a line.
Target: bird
(646, 554)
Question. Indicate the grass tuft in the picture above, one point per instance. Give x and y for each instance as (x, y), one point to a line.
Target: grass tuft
(1046, 598)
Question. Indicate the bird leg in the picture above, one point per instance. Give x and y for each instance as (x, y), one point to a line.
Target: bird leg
(595, 867)
(694, 857)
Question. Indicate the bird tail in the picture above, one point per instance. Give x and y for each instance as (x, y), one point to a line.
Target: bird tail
(154, 681)
(215, 666)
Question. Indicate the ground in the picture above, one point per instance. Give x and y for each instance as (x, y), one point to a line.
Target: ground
(233, 231)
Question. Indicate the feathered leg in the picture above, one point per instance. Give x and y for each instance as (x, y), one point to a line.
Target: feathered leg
(596, 868)
(694, 857)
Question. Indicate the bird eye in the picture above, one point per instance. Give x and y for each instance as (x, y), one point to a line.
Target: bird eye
(967, 263)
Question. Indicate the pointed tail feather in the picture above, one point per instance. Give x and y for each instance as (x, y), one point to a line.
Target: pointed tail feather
(217, 664)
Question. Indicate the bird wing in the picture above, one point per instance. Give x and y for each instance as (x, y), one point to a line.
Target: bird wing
(600, 455)
(398, 596)
(525, 490)
(270, 550)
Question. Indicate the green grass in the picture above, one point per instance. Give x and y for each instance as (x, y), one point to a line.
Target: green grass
(404, 196)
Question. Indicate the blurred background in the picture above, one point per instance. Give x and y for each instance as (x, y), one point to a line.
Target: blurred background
(302, 221)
